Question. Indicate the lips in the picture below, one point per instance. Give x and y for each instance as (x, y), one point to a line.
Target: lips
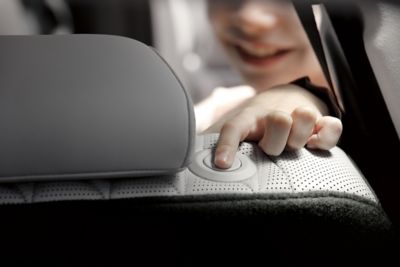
(261, 56)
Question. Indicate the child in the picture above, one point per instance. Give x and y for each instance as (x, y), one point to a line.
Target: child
(267, 44)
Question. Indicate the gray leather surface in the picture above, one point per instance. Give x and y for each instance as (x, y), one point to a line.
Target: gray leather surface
(382, 42)
(89, 106)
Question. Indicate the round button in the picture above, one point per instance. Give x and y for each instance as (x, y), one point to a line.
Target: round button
(242, 169)
(208, 161)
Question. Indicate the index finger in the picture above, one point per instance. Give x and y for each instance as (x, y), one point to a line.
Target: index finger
(232, 133)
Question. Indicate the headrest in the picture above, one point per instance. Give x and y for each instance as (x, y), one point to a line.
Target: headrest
(90, 106)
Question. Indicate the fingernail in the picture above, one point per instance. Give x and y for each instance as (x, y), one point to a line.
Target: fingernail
(222, 159)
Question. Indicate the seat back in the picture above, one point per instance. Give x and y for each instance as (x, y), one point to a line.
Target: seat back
(78, 106)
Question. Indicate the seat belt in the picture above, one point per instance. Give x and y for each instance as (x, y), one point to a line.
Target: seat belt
(324, 42)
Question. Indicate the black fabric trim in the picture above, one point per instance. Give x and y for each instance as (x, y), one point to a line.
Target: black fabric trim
(337, 206)
(226, 230)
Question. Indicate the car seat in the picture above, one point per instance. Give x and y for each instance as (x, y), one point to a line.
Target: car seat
(100, 164)
(356, 42)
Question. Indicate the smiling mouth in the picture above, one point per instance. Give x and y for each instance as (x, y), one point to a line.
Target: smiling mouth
(261, 57)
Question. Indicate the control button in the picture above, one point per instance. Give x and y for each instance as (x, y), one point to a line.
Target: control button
(208, 161)
(242, 169)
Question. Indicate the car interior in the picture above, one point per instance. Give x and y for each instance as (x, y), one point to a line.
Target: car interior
(101, 163)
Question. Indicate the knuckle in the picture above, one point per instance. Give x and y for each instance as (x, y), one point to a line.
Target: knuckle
(280, 119)
(305, 113)
(235, 127)
(338, 127)
(335, 125)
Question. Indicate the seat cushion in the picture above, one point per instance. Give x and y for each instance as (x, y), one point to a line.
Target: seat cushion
(309, 205)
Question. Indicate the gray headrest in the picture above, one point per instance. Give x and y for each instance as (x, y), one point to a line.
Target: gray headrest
(82, 106)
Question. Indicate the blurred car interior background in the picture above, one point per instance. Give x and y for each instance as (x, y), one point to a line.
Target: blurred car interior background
(178, 29)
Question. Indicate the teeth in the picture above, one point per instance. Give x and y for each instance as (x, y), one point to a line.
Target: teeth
(259, 51)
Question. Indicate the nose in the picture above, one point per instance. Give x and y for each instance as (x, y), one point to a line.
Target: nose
(252, 19)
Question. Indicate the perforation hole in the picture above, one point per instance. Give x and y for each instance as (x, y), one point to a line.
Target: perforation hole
(66, 191)
(145, 187)
(322, 171)
(201, 186)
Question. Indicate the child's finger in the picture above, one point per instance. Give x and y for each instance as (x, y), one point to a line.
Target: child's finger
(327, 133)
(232, 133)
(303, 124)
(278, 125)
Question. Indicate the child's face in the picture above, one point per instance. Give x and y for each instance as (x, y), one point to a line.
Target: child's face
(265, 40)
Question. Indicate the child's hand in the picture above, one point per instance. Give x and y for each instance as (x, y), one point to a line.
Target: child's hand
(283, 117)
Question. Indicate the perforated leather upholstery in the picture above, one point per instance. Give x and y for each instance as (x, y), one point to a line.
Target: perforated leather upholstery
(293, 172)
